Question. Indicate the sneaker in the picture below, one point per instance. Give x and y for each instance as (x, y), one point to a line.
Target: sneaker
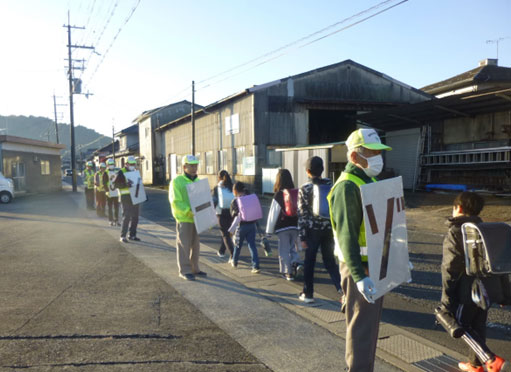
(298, 269)
(288, 277)
(201, 273)
(117, 223)
(497, 364)
(123, 239)
(111, 223)
(256, 270)
(221, 255)
(134, 238)
(190, 277)
(305, 299)
(234, 264)
(466, 366)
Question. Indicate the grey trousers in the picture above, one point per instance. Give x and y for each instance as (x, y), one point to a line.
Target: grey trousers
(287, 250)
(188, 248)
(362, 325)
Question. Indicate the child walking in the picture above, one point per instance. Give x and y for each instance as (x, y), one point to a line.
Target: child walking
(457, 285)
(222, 198)
(283, 221)
(245, 228)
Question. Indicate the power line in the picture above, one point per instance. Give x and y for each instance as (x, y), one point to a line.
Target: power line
(289, 45)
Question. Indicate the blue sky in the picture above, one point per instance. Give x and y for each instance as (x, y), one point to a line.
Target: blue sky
(167, 44)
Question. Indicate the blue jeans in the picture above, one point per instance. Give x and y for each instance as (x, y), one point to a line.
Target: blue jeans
(316, 240)
(248, 232)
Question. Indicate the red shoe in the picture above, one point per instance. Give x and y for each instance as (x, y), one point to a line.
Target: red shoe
(497, 364)
(466, 366)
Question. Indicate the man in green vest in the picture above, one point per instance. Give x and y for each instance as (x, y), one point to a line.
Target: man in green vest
(130, 211)
(187, 239)
(101, 183)
(88, 185)
(363, 313)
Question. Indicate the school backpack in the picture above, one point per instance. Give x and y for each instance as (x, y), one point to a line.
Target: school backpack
(290, 202)
(249, 207)
(225, 197)
(487, 247)
(319, 202)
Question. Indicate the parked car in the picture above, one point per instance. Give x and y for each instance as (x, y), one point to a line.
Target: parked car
(6, 189)
(69, 172)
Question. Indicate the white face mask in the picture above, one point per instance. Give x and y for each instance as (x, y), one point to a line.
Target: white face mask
(111, 167)
(374, 165)
(131, 168)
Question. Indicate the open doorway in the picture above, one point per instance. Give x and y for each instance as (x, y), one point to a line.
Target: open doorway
(327, 126)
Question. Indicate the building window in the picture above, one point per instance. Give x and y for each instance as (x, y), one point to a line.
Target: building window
(146, 132)
(222, 160)
(274, 158)
(147, 165)
(240, 154)
(45, 167)
(209, 162)
(179, 167)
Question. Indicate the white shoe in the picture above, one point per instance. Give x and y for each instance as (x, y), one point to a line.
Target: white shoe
(305, 299)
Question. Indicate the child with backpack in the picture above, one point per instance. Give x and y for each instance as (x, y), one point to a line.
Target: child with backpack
(283, 221)
(222, 199)
(457, 286)
(245, 210)
(315, 229)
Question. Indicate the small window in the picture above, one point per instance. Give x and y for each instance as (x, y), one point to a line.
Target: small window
(240, 154)
(222, 160)
(147, 165)
(45, 167)
(146, 132)
(179, 167)
(209, 162)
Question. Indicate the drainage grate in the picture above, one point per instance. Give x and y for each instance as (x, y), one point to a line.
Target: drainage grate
(327, 312)
(407, 349)
(443, 363)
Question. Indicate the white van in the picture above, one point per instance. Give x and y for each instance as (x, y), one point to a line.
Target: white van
(6, 189)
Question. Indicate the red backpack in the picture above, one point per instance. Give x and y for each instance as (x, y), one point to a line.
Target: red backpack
(290, 202)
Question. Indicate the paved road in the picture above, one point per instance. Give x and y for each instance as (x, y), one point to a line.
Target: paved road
(410, 306)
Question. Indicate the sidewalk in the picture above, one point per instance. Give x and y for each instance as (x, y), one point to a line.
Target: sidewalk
(263, 313)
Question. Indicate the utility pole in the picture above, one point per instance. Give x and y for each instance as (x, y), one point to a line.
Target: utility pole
(71, 109)
(113, 142)
(193, 117)
(55, 112)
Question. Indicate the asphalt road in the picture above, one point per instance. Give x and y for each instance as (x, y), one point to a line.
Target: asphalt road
(409, 306)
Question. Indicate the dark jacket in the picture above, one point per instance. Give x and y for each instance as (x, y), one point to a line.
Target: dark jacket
(307, 221)
(456, 284)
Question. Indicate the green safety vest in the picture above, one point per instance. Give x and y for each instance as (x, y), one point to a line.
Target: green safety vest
(362, 234)
(124, 190)
(89, 178)
(99, 181)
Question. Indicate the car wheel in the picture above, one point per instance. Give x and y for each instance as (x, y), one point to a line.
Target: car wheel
(5, 197)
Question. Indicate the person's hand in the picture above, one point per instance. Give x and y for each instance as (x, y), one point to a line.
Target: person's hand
(366, 288)
(304, 245)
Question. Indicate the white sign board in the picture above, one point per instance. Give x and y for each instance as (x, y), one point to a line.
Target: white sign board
(112, 191)
(386, 236)
(232, 124)
(137, 191)
(201, 202)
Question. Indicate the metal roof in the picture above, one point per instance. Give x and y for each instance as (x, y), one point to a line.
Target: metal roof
(450, 107)
(311, 147)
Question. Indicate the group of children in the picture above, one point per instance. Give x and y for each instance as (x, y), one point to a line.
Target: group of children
(296, 217)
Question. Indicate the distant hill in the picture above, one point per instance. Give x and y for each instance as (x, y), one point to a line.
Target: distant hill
(43, 129)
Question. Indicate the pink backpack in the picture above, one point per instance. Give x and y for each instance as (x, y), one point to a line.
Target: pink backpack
(250, 208)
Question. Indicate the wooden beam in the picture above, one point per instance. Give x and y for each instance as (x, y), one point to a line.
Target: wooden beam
(452, 111)
(405, 119)
(504, 96)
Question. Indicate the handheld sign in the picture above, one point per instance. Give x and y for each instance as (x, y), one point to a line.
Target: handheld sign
(386, 236)
(201, 203)
(112, 191)
(137, 191)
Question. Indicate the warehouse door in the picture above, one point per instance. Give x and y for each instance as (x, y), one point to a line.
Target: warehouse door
(403, 158)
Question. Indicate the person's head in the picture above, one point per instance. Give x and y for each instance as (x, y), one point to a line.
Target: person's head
(467, 204)
(89, 164)
(190, 164)
(102, 167)
(314, 167)
(110, 164)
(364, 150)
(224, 176)
(283, 180)
(239, 189)
(131, 163)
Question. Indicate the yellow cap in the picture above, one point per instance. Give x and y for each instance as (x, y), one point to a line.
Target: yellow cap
(190, 159)
(367, 138)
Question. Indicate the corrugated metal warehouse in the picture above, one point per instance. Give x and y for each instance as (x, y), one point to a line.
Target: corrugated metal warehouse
(240, 133)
